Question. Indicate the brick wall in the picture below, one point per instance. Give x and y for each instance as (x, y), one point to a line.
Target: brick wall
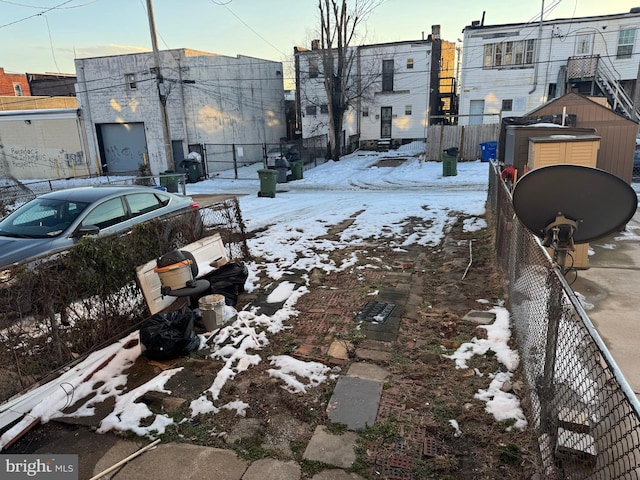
(8, 80)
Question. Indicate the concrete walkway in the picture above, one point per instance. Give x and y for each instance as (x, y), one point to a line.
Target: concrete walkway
(612, 285)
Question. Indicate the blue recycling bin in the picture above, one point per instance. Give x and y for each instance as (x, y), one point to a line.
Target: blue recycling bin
(488, 151)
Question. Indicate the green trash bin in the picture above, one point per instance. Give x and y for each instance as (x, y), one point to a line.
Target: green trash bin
(169, 180)
(268, 182)
(450, 162)
(296, 169)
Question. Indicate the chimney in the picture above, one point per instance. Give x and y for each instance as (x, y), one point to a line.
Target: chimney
(435, 31)
(315, 44)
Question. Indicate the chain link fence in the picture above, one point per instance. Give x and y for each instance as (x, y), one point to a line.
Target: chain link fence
(61, 307)
(586, 416)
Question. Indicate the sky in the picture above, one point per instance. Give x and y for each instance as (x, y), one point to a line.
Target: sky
(39, 36)
(291, 231)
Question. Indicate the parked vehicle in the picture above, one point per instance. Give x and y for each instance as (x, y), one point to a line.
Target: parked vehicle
(57, 220)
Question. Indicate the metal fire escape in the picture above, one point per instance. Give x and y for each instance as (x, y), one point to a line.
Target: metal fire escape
(593, 70)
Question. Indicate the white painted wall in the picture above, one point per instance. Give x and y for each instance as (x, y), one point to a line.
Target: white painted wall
(233, 100)
(528, 86)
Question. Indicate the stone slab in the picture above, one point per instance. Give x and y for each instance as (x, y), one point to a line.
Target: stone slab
(270, 469)
(368, 371)
(336, 450)
(355, 402)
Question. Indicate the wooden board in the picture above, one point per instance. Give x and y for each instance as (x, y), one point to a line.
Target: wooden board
(209, 253)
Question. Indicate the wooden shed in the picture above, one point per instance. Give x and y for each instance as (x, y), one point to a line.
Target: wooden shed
(617, 133)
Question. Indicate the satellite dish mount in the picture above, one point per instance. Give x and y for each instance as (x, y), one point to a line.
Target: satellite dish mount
(558, 235)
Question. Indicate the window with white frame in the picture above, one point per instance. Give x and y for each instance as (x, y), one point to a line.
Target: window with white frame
(626, 39)
(407, 109)
(409, 63)
(511, 54)
(584, 44)
(17, 89)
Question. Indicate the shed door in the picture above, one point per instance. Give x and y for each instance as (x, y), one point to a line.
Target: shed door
(476, 110)
(123, 146)
(385, 122)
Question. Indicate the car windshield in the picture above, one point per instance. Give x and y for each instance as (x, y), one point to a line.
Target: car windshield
(41, 218)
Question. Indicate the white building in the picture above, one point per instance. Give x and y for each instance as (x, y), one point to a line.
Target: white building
(508, 70)
(210, 99)
(401, 87)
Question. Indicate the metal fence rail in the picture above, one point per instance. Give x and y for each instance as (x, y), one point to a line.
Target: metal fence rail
(586, 416)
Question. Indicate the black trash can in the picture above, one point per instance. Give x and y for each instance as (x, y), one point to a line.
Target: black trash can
(193, 169)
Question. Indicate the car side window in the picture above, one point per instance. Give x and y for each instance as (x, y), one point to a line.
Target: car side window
(106, 214)
(141, 203)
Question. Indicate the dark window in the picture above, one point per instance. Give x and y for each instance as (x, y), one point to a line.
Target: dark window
(407, 110)
(141, 203)
(17, 89)
(313, 68)
(311, 109)
(324, 108)
(106, 214)
(507, 105)
(410, 63)
(387, 75)
(131, 81)
(365, 111)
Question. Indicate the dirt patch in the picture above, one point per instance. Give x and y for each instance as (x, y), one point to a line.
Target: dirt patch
(413, 437)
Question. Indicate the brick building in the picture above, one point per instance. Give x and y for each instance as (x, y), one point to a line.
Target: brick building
(13, 84)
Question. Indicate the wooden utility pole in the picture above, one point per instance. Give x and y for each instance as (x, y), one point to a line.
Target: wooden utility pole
(162, 91)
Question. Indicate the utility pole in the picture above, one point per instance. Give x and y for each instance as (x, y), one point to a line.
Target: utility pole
(162, 91)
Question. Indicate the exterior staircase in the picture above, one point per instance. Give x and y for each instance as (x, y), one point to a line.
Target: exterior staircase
(592, 68)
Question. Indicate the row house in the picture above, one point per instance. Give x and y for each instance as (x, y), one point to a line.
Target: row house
(509, 70)
(397, 89)
(13, 84)
(142, 109)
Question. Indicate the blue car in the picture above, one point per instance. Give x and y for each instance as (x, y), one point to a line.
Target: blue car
(56, 221)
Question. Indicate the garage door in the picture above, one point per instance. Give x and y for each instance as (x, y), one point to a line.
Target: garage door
(123, 146)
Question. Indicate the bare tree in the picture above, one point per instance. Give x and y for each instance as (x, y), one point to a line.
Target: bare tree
(339, 22)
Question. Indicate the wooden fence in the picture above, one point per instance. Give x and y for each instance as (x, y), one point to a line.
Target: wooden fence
(467, 138)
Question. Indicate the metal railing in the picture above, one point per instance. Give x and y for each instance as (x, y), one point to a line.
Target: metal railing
(586, 416)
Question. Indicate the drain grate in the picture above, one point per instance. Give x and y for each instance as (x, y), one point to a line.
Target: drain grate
(375, 312)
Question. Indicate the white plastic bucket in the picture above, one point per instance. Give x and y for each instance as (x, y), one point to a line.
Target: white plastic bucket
(212, 311)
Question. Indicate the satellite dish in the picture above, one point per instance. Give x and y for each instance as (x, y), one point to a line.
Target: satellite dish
(567, 204)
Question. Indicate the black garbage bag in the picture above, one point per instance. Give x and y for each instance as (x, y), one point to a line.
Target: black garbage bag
(169, 335)
(229, 281)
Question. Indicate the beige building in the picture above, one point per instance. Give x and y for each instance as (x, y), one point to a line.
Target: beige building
(42, 144)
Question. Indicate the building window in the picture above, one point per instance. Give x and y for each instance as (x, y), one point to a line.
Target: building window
(626, 39)
(387, 75)
(584, 44)
(130, 78)
(311, 109)
(507, 105)
(314, 72)
(324, 108)
(17, 89)
(365, 111)
(409, 63)
(407, 110)
(509, 54)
